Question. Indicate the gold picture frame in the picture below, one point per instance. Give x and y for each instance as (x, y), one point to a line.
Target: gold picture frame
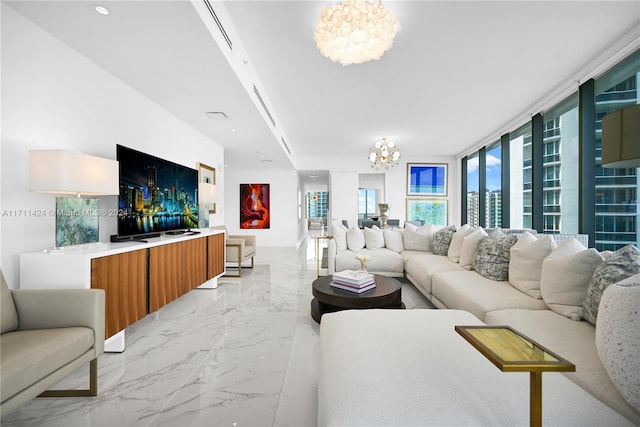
(207, 175)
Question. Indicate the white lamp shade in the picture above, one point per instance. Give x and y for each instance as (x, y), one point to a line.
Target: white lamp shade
(621, 138)
(72, 172)
(206, 193)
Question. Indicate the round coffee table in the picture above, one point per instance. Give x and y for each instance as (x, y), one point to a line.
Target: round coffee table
(327, 299)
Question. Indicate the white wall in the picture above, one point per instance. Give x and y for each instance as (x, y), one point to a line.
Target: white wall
(283, 188)
(55, 98)
(395, 182)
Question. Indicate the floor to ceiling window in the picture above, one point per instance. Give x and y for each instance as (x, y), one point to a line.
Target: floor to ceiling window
(560, 168)
(493, 180)
(559, 173)
(520, 177)
(473, 190)
(366, 203)
(616, 191)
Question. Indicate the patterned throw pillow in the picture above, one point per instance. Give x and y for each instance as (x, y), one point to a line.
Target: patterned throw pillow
(623, 263)
(442, 240)
(493, 255)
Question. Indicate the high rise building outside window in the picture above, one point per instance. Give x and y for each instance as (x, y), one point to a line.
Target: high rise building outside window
(493, 199)
(520, 177)
(473, 190)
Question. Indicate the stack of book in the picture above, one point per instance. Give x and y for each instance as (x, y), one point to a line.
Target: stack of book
(354, 281)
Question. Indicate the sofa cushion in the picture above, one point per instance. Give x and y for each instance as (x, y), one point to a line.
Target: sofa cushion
(618, 336)
(565, 276)
(470, 245)
(355, 239)
(420, 267)
(9, 316)
(373, 238)
(393, 239)
(339, 232)
(525, 264)
(29, 356)
(492, 257)
(442, 240)
(623, 263)
(455, 247)
(383, 261)
(410, 368)
(467, 290)
(575, 341)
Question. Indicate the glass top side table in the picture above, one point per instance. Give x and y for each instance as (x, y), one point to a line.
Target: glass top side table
(510, 351)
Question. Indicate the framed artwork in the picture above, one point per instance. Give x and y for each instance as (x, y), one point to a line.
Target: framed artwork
(76, 221)
(431, 211)
(255, 210)
(427, 179)
(207, 175)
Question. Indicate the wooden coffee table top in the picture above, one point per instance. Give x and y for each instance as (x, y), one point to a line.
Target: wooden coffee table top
(386, 292)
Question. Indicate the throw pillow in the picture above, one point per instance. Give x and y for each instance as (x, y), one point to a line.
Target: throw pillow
(355, 239)
(623, 263)
(564, 279)
(418, 238)
(442, 239)
(525, 266)
(470, 247)
(617, 337)
(455, 247)
(374, 238)
(339, 232)
(492, 257)
(393, 239)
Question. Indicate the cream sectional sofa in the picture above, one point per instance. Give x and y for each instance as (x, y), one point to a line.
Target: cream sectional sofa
(458, 286)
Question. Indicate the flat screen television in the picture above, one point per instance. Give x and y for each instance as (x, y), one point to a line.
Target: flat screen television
(156, 195)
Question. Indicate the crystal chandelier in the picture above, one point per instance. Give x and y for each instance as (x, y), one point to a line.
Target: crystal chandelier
(355, 31)
(385, 154)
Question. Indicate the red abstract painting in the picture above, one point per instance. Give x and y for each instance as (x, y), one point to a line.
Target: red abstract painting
(254, 206)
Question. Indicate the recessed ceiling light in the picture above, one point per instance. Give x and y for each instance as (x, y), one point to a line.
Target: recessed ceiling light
(232, 130)
(101, 9)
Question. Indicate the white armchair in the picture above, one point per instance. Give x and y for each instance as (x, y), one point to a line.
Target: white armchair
(239, 248)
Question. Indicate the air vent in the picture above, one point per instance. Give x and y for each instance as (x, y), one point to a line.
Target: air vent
(266, 110)
(219, 24)
(285, 146)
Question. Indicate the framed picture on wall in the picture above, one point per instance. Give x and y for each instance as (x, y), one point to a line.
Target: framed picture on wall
(207, 175)
(430, 211)
(427, 179)
(255, 209)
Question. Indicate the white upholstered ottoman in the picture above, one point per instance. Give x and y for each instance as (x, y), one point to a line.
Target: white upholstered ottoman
(409, 367)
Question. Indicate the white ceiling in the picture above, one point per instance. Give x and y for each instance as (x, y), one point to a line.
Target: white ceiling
(459, 72)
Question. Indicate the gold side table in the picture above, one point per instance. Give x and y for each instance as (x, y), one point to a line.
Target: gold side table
(318, 256)
(511, 351)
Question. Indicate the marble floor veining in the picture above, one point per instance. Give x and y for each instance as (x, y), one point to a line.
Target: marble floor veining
(244, 354)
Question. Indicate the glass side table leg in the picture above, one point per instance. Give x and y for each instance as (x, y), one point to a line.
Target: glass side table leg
(535, 391)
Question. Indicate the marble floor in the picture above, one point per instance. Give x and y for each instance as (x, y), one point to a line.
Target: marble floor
(244, 354)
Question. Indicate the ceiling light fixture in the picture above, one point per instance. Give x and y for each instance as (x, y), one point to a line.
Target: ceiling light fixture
(385, 153)
(355, 31)
(101, 9)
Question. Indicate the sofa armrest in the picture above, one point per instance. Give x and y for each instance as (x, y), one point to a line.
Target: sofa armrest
(62, 308)
(249, 239)
(331, 256)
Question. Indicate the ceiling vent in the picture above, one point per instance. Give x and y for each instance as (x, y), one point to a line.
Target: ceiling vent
(266, 110)
(216, 115)
(285, 146)
(219, 24)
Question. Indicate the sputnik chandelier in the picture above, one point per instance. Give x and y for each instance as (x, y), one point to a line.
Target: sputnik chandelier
(355, 31)
(385, 153)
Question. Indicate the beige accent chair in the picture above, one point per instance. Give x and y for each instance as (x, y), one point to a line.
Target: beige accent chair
(239, 248)
(47, 334)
